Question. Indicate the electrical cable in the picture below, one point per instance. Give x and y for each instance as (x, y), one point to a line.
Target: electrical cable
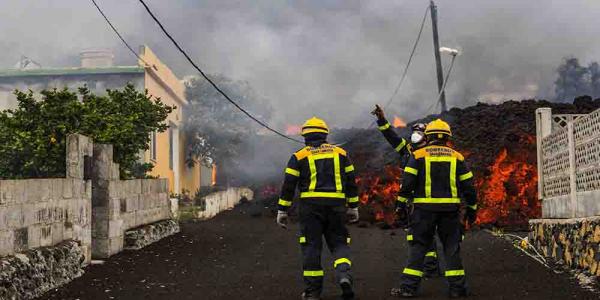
(214, 85)
(404, 73)
(193, 64)
(412, 53)
(118, 34)
(439, 99)
(523, 246)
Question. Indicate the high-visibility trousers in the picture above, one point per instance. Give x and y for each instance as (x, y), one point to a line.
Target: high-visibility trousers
(420, 238)
(318, 222)
(431, 265)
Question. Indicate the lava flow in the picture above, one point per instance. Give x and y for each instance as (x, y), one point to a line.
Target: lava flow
(508, 195)
(507, 189)
(399, 123)
(293, 129)
(378, 192)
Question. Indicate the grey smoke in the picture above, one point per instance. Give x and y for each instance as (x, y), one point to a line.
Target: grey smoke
(330, 58)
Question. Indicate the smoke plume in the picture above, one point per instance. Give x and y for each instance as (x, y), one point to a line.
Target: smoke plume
(334, 59)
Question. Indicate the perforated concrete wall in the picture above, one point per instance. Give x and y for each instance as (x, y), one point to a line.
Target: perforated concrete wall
(570, 164)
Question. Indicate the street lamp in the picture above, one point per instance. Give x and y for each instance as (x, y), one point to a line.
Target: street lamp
(450, 51)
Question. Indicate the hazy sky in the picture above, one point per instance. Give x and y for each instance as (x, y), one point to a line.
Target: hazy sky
(330, 58)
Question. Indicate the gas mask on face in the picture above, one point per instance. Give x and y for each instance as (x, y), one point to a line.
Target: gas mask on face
(417, 137)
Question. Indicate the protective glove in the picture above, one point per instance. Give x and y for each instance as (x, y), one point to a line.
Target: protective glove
(402, 214)
(470, 215)
(378, 112)
(282, 219)
(352, 214)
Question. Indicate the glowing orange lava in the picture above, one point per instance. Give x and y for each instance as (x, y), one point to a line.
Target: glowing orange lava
(293, 129)
(379, 191)
(507, 189)
(399, 123)
(508, 195)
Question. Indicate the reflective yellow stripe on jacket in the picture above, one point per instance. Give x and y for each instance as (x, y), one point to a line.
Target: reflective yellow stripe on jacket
(411, 170)
(292, 172)
(385, 126)
(437, 200)
(402, 199)
(284, 202)
(401, 145)
(353, 200)
(450, 273)
(314, 273)
(338, 177)
(464, 177)
(452, 161)
(322, 195)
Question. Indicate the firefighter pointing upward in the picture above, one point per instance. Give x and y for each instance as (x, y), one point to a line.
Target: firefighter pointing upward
(325, 177)
(405, 149)
(436, 178)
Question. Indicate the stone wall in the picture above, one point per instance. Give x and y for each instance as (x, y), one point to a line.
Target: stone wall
(576, 242)
(45, 212)
(119, 205)
(50, 228)
(215, 203)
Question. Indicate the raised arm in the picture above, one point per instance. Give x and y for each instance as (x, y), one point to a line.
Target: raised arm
(399, 144)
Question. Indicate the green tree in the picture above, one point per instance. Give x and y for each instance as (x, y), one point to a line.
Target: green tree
(215, 130)
(33, 135)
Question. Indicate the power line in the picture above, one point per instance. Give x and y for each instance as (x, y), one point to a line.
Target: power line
(404, 73)
(210, 81)
(435, 104)
(412, 53)
(118, 34)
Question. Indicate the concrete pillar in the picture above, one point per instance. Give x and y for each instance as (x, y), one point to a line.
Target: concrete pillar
(543, 126)
(572, 170)
(78, 148)
(107, 225)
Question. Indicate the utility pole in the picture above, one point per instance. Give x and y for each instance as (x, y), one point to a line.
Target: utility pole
(438, 58)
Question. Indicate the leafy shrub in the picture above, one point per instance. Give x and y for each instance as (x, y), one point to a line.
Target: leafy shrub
(33, 135)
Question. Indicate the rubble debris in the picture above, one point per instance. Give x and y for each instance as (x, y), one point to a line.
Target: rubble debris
(145, 235)
(29, 274)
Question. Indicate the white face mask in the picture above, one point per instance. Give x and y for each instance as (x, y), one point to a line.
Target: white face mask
(416, 137)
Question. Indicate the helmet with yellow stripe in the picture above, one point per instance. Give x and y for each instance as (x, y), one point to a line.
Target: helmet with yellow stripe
(438, 128)
(313, 125)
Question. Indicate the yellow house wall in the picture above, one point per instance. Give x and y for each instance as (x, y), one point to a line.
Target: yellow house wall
(190, 179)
(160, 82)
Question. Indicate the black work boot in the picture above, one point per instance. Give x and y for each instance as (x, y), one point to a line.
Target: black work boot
(347, 292)
(403, 292)
(306, 295)
(458, 294)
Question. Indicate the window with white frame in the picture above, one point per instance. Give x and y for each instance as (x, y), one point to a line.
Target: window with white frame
(153, 146)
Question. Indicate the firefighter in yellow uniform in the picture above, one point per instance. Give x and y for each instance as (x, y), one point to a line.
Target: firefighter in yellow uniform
(324, 176)
(405, 149)
(436, 178)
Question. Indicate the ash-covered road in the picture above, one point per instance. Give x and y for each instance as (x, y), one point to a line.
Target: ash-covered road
(235, 256)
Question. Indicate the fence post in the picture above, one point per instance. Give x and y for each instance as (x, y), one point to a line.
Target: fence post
(543, 126)
(572, 169)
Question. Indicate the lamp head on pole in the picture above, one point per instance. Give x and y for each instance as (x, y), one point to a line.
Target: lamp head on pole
(451, 51)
